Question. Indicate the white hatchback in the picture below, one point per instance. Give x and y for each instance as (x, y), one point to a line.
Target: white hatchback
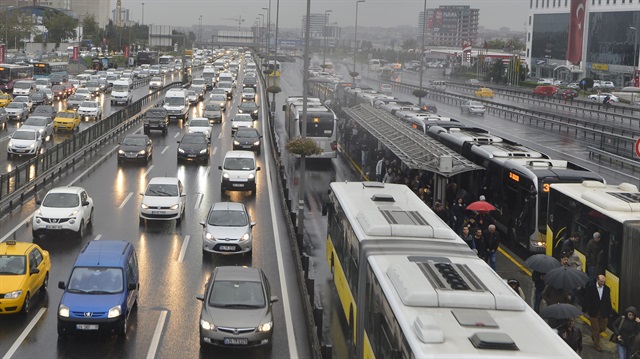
(163, 200)
(201, 125)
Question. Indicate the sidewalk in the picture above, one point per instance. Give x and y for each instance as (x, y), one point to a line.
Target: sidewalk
(511, 266)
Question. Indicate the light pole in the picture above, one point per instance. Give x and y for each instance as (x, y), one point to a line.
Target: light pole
(424, 27)
(635, 53)
(267, 9)
(142, 21)
(200, 28)
(261, 32)
(355, 39)
(324, 33)
(6, 25)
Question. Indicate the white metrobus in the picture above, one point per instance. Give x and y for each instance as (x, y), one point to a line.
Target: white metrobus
(424, 293)
(322, 124)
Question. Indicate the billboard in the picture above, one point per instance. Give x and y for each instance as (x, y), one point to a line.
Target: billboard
(160, 35)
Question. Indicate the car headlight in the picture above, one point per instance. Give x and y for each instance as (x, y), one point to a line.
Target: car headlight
(175, 206)
(142, 152)
(203, 151)
(114, 312)
(144, 206)
(121, 152)
(265, 327)
(10, 144)
(251, 176)
(257, 143)
(255, 112)
(63, 311)
(180, 150)
(237, 143)
(209, 236)
(245, 237)
(13, 295)
(225, 175)
(207, 325)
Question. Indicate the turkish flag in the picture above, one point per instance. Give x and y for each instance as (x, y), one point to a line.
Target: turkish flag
(576, 30)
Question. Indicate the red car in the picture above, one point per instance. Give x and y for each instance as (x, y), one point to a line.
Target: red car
(69, 88)
(59, 92)
(545, 91)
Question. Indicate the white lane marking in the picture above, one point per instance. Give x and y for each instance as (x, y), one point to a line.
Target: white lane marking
(198, 201)
(24, 334)
(220, 135)
(293, 350)
(98, 237)
(215, 149)
(177, 134)
(125, 200)
(92, 166)
(148, 170)
(16, 228)
(153, 348)
(165, 150)
(183, 250)
(206, 172)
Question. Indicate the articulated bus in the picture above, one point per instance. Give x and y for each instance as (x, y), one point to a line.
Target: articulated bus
(409, 287)
(46, 69)
(613, 211)
(322, 124)
(10, 73)
(274, 66)
(516, 181)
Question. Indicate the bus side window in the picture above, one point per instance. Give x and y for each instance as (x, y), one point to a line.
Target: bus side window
(615, 255)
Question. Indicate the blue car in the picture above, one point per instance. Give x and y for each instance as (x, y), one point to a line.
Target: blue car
(101, 291)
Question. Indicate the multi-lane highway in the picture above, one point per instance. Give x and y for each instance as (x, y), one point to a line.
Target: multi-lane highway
(173, 269)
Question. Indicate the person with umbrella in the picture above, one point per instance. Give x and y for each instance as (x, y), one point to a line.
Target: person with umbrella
(540, 264)
(571, 335)
(597, 305)
(625, 330)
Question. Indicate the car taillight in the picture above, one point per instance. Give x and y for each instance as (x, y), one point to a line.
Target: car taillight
(334, 146)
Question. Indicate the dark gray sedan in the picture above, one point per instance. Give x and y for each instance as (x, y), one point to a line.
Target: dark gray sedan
(237, 308)
(193, 147)
(135, 147)
(247, 139)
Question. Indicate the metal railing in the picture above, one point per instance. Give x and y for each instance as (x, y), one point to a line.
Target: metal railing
(24, 180)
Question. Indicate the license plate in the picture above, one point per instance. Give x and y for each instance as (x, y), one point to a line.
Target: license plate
(192, 156)
(131, 155)
(87, 326)
(157, 212)
(227, 248)
(246, 146)
(234, 341)
(238, 185)
(53, 226)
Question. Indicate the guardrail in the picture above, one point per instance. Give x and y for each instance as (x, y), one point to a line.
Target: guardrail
(624, 162)
(24, 180)
(619, 141)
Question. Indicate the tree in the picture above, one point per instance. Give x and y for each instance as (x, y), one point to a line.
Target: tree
(60, 26)
(303, 147)
(91, 30)
(419, 94)
(409, 44)
(496, 72)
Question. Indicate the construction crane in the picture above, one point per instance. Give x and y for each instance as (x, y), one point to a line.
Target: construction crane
(119, 13)
(238, 19)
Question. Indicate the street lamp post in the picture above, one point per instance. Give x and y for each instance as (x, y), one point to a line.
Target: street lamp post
(142, 21)
(200, 28)
(261, 30)
(635, 53)
(268, 10)
(424, 27)
(355, 38)
(324, 33)
(6, 25)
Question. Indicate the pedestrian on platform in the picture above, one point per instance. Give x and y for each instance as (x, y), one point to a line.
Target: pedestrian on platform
(468, 238)
(492, 241)
(571, 335)
(442, 213)
(380, 169)
(597, 305)
(539, 285)
(480, 244)
(515, 285)
(458, 210)
(625, 330)
(594, 246)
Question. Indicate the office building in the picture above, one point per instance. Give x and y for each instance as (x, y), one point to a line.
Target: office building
(449, 26)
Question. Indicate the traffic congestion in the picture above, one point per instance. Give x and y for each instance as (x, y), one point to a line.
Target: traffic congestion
(213, 203)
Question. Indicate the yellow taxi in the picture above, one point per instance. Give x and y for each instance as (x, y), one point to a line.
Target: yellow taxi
(484, 92)
(67, 120)
(5, 99)
(24, 270)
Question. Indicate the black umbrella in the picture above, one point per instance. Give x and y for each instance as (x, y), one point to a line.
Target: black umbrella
(566, 278)
(542, 263)
(560, 311)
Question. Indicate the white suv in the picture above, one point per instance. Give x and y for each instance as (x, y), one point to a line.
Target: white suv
(63, 209)
(238, 171)
(163, 200)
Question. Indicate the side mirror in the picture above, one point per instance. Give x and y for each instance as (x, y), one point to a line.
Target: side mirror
(132, 286)
(61, 285)
(253, 224)
(200, 297)
(284, 107)
(202, 224)
(183, 195)
(142, 194)
(177, 141)
(85, 203)
(34, 271)
(274, 299)
(38, 201)
(220, 167)
(258, 168)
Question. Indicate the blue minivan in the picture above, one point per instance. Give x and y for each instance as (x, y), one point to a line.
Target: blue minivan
(101, 291)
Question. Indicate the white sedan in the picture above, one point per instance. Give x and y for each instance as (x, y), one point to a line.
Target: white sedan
(63, 209)
(600, 97)
(24, 142)
(201, 125)
(90, 109)
(163, 200)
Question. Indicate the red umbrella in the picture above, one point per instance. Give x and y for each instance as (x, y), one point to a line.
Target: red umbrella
(481, 206)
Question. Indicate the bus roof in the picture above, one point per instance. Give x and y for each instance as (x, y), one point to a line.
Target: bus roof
(441, 321)
(620, 202)
(384, 211)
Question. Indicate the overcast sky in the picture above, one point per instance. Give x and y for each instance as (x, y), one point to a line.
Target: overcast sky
(387, 13)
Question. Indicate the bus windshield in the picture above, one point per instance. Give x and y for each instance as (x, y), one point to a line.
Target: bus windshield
(320, 126)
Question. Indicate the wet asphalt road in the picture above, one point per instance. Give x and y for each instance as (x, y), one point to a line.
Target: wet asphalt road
(172, 267)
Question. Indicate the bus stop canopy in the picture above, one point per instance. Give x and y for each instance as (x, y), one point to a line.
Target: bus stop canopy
(415, 149)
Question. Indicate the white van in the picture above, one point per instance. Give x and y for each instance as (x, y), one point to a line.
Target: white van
(238, 171)
(226, 77)
(121, 93)
(176, 103)
(24, 88)
(439, 85)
